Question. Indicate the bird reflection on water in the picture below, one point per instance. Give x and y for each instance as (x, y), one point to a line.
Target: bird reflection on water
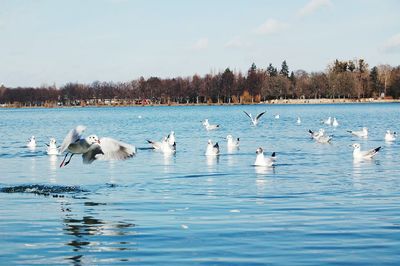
(91, 234)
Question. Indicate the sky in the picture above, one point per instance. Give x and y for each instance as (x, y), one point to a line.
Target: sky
(46, 42)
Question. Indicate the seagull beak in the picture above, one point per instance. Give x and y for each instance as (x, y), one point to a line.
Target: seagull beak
(98, 141)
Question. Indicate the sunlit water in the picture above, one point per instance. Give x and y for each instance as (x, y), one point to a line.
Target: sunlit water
(316, 206)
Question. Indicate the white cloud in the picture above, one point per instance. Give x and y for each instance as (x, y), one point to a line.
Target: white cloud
(313, 6)
(392, 44)
(200, 44)
(271, 26)
(237, 42)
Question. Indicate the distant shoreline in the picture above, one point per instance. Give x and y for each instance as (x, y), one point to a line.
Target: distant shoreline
(269, 102)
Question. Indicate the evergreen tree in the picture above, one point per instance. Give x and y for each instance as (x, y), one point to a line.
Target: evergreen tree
(272, 71)
(284, 69)
(375, 85)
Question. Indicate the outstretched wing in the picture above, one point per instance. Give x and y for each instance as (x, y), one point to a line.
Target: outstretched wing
(249, 115)
(89, 156)
(259, 115)
(72, 136)
(115, 150)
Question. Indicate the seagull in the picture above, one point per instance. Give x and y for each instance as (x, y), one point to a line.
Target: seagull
(93, 148)
(390, 136)
(277, 116)
(31, 143)
(212, 149)
(256, 119)
(327, 121)
(335, 122)
(207, 125)
(231, 142)
(163, 145)
(361, 134)
(320, 136)
(52, 148)
(262, 161)
(323, 138)
(298, 121)
(316, 135)
(358, 154)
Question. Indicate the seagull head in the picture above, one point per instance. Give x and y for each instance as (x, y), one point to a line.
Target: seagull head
(53, 141)
(259, 150)
(356, 146)
(229, 137)
(93, 139)
(365, 129)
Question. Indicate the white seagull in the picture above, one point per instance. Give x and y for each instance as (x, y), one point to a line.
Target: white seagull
(31, 143)
(52, 148)
(358, 154)
(335, 123)
(327, 121)
(298, 120)
(208, 126)
(323, 138)
(163, 145)
(232, 143)
(256, 119)
(316, 135)
(277, 116)
(320, 136)
(390, 136)
(93, 148)
(212, 149)
(361, 134)
(261, 160)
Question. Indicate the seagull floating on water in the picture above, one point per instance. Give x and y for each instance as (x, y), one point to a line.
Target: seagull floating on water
(52, 148)
(256, 119)
(277, 116)
(327, 121)
(316, 135)
(232, 143)
(361, 134)
(31, 143)
(93, 148)
(298, 121)
(358, 154)
(163, 145)
(335, 123)
(320, 136)
(212, 149)
(390, 136)
(261, 160)
(208, 126)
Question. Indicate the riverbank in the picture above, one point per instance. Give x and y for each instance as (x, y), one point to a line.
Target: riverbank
(275, 101)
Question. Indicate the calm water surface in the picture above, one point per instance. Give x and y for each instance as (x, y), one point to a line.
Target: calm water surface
(316, 206)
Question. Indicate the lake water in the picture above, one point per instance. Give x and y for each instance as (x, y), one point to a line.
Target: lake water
(316, 206)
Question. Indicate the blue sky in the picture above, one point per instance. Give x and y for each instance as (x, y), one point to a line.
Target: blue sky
(46, 42)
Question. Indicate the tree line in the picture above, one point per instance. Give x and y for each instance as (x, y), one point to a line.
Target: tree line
(342, 79)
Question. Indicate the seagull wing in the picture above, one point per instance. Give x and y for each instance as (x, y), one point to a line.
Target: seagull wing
(72, 136)
(155, 144)
(259, 115)
(371, 152)
(249, 115)
(89, 156)
(115, 150)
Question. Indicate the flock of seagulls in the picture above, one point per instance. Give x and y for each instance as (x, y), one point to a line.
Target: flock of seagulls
(94, 148)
